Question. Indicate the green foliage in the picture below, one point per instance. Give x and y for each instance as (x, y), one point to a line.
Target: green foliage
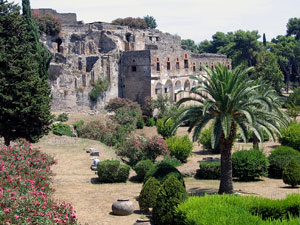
(249, 165)
(209, 171)
(267, 68)
(190, 44)
(148, 195)
(161, 171)
(127, 118)
(164, 127)
(279, 158)
(62, 117)
(137, 23)
(251, 135)
(293, 111)
(171, 193)
(150, 122)
(150, 21)
(294, 98)
(99, 87)
(236, 210)
(24, 87)
(47, 24)
(111, 171)
(205, 140)
(140, 123)
(141, 168)
(171, 161)
(78, 125)
(291, 136)
(180, 147)
(293, 27)
(62, 129)
(291, 173)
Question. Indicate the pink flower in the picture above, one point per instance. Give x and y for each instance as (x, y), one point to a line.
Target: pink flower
(17, 217)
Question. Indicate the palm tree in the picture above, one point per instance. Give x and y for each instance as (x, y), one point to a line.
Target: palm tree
(233, 102)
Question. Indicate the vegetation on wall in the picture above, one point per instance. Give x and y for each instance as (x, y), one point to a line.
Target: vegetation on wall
(99, 87)
(47, 24)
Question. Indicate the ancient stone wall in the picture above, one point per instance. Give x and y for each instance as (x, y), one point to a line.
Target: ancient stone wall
(64, 18)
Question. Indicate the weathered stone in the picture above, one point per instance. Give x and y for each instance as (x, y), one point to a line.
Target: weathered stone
(94, 153)
(122, 207)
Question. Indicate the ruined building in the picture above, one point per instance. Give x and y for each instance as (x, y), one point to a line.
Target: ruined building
(137, 63)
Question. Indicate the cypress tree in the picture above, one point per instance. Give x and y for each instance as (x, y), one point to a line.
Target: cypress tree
(24, 87)
(264, 40)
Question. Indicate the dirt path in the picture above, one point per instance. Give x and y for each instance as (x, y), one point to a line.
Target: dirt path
(76, 183)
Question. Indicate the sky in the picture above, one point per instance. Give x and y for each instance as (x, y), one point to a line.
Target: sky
(191, 19)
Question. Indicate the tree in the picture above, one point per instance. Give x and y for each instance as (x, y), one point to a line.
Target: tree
(264, 40)
(24, 88)
(234, 103)
(293, 27)
(137, 23)
(150, 21)
(190, 44)
(267, 68)
(205, 47)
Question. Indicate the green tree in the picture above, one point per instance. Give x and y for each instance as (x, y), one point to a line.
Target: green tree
(234, 103)
(205, 47)
(24, 88)
(264, 40)
(267, 68)
(293, 27)
(190, 44)
(150, 21)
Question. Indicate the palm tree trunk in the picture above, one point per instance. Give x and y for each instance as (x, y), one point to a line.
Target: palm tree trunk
(226, 185)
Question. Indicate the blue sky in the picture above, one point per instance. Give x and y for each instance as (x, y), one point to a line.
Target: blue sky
(194, 19)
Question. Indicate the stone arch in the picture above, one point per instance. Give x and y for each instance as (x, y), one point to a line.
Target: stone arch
(187, 85)
(178, 87)
(158, 89)
(194, 84)
(168, 88)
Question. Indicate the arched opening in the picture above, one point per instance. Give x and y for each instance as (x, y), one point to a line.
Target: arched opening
(158, 89)
(187, 85)
(178, 88)
(169, 89)
(157, 65)
(127, 36)
(58, 41)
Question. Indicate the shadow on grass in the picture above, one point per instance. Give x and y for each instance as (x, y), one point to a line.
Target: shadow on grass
(246, 181)
(95, 180)
(134, 179)
(204, 152)
(290, 187)
(201, 191)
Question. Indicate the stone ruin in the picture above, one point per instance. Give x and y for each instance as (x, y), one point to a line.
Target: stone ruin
(138, 63)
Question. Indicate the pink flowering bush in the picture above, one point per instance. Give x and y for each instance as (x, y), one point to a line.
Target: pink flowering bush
(25, 192)
(140, 148)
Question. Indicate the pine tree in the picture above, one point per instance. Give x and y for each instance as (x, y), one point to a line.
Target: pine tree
(24, 87)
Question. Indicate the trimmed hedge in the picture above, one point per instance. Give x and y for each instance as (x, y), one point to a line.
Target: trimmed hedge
(249, 165)
(161, 171)
(237, 210)
(62, 129)
(291, 173)
(148, 195)
(111, 171)
(205, 140)
(171, 161)
(180, 147)
(279, 158)
(291, 136)
(141, 168)
(209, 170)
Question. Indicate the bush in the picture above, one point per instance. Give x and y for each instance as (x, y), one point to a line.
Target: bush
(140, 123)
(78, 125)
(279, 158)
(164, 128)
(205, 140)
(111, 171)
(47, 24)
(141, 168)
(137, 23)
(141, 148)
(117, 103)
(236, 210)
(171, 193)
(291, 136)
(161, 171)
(180, 147)
(127, 118)
(62, 117)
(249, 164)
(99, 87)
(209, 170)
(62, 129)
(147, 197)
(294, 98)
(150, 122)
(171, 161)
(291, 173)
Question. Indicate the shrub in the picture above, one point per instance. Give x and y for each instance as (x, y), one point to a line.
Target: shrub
(291, 136)
(142, 167)
(62, 117)
(117, 103)
(250, 136)
(171, 193)
(147, 197)
(156, 146)
(180, 147)
(150, 122)
(137, 23)
(249, 164)
(291, 173)
(205, 140)
(294, 98)
(164, 127)
(47, 24)
(111, 171)
(279, 158)
(171, 161)
(140, 123)
(77, 125)
(236, 210)
(99, 87)
(62, 129)
(127, 118)
(209, 170)
(161, 171)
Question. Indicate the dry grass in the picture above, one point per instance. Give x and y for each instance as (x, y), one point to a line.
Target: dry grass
(76, 183)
